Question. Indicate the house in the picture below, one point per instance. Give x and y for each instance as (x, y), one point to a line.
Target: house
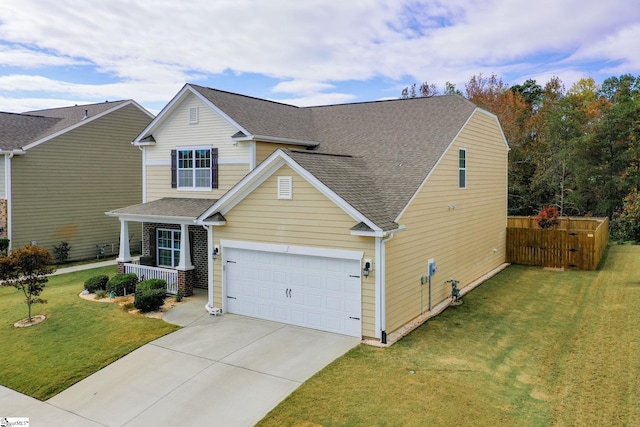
(62, 168)
(345, 218)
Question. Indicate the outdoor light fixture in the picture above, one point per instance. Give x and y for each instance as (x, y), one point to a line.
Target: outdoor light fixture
(367, 268)
(216, 252)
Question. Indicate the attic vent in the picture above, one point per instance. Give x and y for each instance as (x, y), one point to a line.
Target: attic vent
(193, 115)
(285, 188)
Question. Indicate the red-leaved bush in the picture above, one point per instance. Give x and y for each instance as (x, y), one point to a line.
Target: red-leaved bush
(548, 217)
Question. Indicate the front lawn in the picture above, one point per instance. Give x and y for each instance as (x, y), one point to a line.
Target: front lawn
(78, 338)
(527, 348)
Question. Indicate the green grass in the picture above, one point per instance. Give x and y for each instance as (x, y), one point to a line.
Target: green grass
(528, 348)
(78, 338)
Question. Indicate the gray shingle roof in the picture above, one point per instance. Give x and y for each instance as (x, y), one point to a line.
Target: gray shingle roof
(168, 207)
(19, 130)
(395, 143)
(350, 178)
(400, 141)
(263, 117)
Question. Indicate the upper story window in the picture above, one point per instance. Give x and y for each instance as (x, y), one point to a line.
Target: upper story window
(462, 168)
(194, 168)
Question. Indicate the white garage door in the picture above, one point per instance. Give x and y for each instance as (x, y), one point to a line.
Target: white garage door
(311, 291)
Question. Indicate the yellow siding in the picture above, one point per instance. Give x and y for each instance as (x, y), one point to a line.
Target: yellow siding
(462, 240)
(211, 130)
(63, 187)
(310, 219)
(159, 182)
(264, 150)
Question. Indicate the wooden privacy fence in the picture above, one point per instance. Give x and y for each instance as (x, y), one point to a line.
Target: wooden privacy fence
(574, 243)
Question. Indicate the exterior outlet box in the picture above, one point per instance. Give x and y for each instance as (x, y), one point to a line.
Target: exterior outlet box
(431, 267)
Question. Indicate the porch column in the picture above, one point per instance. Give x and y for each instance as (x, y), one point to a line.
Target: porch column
(124, 255)
(185, 249)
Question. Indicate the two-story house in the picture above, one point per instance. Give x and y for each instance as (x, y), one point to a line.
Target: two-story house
(61, 168)
(345, 218)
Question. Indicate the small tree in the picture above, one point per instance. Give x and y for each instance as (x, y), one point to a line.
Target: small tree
(548, 218)
(26, 269)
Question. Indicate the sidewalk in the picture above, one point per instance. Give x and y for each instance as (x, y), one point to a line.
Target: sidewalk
(87, 266)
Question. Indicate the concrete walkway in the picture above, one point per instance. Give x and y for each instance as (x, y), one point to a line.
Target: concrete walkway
(228, 370)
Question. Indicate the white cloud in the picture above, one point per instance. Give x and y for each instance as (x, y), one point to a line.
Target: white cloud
(149, 49)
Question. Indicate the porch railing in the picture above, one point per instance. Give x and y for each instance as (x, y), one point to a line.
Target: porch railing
(145, 272)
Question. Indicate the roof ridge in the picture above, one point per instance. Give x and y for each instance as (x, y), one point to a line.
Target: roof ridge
(245, 96)
(78, 106)
(377, 101)
(317, 153)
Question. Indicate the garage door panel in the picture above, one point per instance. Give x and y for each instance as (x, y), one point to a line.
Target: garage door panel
(310, 291)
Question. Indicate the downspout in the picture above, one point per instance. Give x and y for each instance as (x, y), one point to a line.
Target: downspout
(381, 260)
(8, 193)
(210, 266)
(144, 174)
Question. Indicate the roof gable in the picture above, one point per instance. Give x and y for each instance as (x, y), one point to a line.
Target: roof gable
(353, 204)
(27, 130)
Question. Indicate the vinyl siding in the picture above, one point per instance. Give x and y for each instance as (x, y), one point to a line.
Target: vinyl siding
(212, 130)
(264, 149)
(462, 240)
(159, 182)
(62, 187)
(310, 219)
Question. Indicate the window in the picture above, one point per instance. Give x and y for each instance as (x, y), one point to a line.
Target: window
(195, 168)
(462, 168)
(168, 247)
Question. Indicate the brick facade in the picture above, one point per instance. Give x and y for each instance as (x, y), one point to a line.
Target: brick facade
(3, 218)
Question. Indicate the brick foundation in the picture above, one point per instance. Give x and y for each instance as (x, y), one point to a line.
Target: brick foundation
(186, 280)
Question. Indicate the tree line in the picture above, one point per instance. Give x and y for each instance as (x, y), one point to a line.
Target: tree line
(577, 149)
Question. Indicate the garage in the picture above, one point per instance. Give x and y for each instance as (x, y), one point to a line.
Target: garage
(308, 287)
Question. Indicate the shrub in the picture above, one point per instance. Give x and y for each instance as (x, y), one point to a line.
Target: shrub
(150, 295)
(62, 252)
(122, 284)
(96, 283)
(100, 293)
(548, 218)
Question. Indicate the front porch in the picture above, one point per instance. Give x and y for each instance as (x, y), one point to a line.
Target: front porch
(175, 246)
(190, 268)
(145, 272)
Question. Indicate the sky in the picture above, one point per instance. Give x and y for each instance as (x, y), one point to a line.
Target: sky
(300, 52)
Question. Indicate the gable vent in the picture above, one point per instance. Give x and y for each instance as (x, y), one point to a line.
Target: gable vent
(285, 188)
(193, 115)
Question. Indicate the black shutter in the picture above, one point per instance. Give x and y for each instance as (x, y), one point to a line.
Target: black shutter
(174, 169)
(152, 246)
(192, 245)
(214, 168)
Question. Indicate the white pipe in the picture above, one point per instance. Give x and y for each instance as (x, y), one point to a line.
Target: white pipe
(383, 291)
(144, 174)
(8, 193)
(210, 266)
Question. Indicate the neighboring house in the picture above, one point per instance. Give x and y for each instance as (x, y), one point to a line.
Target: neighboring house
(324, 217)
(62, 168)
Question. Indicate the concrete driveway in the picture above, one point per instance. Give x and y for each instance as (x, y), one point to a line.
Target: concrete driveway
(228, 370)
